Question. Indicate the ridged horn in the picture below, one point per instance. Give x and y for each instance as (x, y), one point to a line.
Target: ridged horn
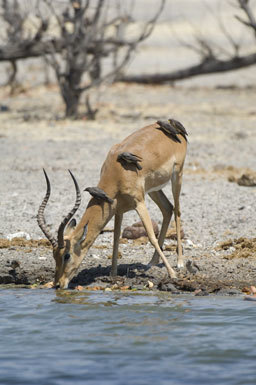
(70, 215)
(40, 215)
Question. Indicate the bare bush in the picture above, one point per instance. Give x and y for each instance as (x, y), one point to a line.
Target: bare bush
(79, 39)
(14, 18)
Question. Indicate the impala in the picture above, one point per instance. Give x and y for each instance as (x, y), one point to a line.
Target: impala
(143, 163)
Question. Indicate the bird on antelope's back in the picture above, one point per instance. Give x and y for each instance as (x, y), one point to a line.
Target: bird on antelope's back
(179, 127)
(129, 158)
(172, 128)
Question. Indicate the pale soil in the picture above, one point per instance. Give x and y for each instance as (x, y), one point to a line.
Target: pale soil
(222, 142)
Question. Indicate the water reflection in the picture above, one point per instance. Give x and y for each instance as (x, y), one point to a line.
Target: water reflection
(136, 299)
(65, 337)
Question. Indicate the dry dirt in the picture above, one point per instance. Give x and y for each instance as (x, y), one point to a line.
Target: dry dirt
(218, 213)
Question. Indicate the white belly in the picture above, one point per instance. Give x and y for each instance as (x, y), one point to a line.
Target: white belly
(156, 188)
(158, 179)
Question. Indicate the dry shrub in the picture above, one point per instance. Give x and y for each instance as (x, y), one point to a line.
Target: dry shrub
(244, 247)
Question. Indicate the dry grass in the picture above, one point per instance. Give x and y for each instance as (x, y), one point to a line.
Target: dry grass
(244, 247)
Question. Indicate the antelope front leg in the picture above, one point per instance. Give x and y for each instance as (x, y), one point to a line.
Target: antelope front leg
(117, 232)
(146, 220)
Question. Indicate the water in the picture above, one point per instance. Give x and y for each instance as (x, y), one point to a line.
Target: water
(123, 338)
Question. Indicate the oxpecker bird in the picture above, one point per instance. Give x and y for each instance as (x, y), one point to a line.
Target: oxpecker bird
(129, 158)
(179, 127)
(98, 194)
(172, 128)
(169, 130)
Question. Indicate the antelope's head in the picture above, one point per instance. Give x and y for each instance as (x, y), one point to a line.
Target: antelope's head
(66, 248)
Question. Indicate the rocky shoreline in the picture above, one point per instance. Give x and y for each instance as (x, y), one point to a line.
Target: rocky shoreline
(229, 275)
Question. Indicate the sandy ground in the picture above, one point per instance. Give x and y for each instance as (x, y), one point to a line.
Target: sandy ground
(222, 142)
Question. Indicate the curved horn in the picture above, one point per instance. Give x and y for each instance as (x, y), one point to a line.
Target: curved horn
(40, 215)
(70, 215)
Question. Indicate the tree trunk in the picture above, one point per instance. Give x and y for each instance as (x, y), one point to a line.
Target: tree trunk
(71, 98)
(72, 106)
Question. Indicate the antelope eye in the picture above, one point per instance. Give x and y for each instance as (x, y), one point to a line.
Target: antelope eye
(66, 257)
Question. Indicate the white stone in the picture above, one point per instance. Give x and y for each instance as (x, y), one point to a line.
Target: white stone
(19, 234)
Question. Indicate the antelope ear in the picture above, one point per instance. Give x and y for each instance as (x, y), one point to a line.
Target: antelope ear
(80, 239)
(84, 233)
(70, 227)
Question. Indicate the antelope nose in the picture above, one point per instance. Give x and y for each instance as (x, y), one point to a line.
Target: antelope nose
(62, 284)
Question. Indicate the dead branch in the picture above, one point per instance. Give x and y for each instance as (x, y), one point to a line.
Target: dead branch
(29, 48)
(211, 62)
(208, 67)
(251, 22)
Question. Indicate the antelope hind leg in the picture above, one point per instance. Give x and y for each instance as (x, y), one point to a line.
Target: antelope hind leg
(146, 220)
(167, 209)
(176, 187)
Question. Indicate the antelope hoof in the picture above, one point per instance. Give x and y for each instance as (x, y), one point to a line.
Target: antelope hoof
(172, 274)
(180, 264)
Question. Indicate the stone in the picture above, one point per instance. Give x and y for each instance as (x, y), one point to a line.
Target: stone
(137, 230)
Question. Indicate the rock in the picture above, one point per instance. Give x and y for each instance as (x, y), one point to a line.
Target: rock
(138, 287)
(4, 108)
(168, 286)
(224, 291)
(240, 135)
(48, 285)
(96, 288)
(200, 292)
(246, 290)
(5, 279)
(155, 273)
(253, 289)
(137, 230)
(189, 244)
(79, 288)
(247, 180)
(115, 286)
(232, 179)
(125, 287)
(15, 264)
(187, 285)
